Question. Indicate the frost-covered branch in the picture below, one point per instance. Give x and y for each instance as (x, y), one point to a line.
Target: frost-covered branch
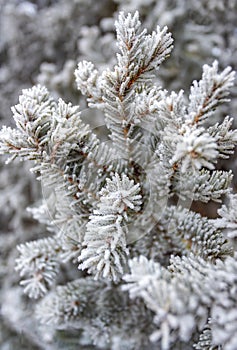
(180, 297)
(105, 252)
(39, 262)
(209, 92)
(115, 206)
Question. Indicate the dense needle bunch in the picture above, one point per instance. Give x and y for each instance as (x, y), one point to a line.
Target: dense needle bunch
(115, 205)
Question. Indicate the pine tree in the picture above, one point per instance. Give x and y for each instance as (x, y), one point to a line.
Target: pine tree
(151, 272)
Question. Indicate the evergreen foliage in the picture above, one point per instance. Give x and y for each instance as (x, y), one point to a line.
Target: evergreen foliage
(151, 273)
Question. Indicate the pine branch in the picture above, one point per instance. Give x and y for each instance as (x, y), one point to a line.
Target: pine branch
(180, 297)
(120, 84)
(110, 201)
(88, 82)
(226, 139)
(216, 285)
(203, 186)
(209, 93)
(196, 149)
(32, 118)
(39, 262)
(105, 249)
(198, 233)
(69, 304)
(174, 320)
(228, 220)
